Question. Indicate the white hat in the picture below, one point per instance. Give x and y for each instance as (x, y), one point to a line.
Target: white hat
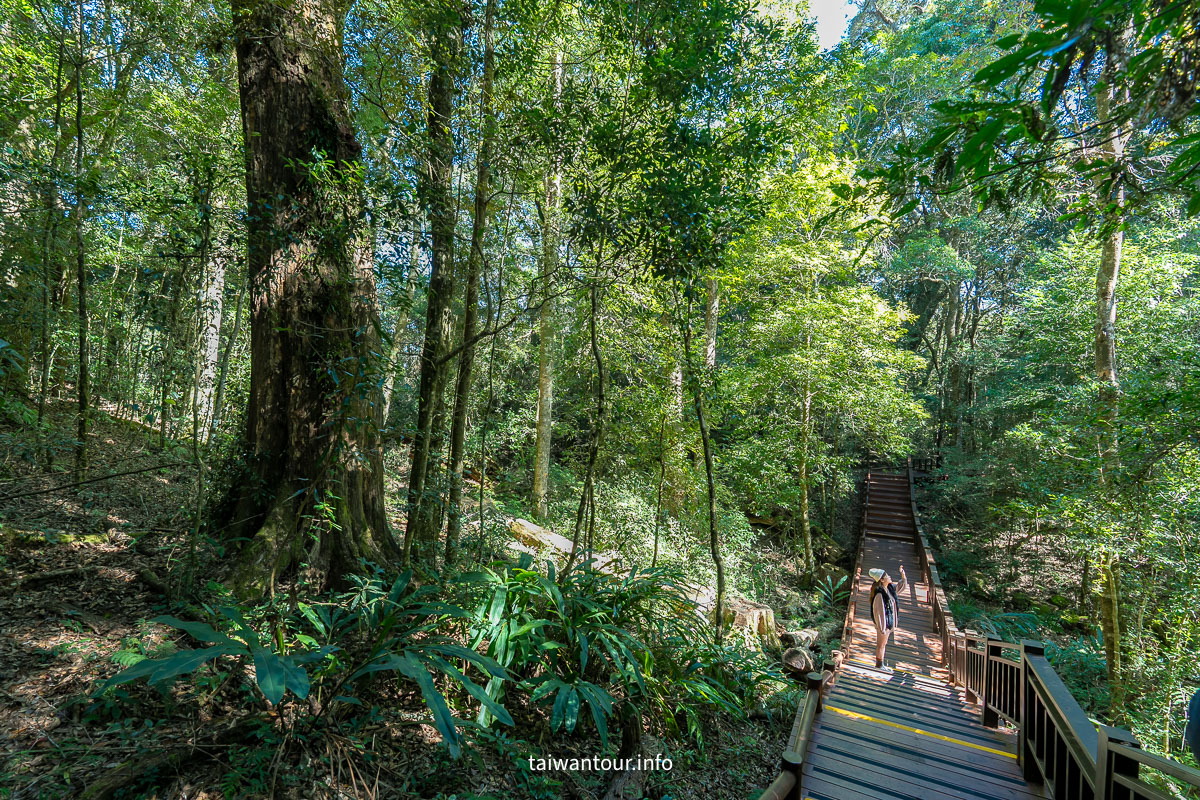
(877, 574)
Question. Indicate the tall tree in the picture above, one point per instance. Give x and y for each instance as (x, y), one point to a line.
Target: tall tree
(445, 41)
(82, 386)
(544, 426)
(466, 359)
(311, 437)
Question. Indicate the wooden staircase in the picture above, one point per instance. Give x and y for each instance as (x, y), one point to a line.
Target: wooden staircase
(909, 733)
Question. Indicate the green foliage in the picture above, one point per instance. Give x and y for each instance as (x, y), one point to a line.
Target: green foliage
(327, 648)
(834, 597)
(582, 641)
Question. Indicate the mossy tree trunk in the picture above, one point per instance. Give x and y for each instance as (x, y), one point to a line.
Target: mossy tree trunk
(313, 494)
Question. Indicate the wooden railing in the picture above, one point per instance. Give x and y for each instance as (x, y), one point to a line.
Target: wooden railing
(1058, 746)
(927, 463)
(786, 785)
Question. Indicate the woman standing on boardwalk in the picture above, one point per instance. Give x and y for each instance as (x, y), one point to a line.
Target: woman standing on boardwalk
(885, 609)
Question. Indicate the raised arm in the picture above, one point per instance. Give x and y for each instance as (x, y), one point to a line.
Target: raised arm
(903, 587)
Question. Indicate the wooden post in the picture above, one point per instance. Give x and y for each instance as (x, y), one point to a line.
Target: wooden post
(991, 691)
(813, 679)
(974, 691)
(1025, 754)
(1110, 762)
(792, 763)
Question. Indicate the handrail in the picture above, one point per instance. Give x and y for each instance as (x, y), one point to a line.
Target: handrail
(786, 785)
(1058, 746)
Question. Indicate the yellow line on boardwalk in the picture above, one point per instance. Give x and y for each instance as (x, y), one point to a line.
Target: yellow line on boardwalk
(856, 715)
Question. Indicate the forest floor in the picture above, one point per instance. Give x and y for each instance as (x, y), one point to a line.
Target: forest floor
(84, 567)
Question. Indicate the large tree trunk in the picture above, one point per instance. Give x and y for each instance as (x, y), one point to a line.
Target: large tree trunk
(466, 360)
(420, 535)
(546, 340)
(314, 492)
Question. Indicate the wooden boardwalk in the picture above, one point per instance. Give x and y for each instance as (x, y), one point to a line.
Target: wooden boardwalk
(908, 734)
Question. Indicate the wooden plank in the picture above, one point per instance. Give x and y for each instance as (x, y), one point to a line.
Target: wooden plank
(935, 698)
(856, 758)
(893, 771)
(911, 745)
(963, 728)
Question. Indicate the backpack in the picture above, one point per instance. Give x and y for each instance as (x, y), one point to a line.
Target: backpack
(891, 605)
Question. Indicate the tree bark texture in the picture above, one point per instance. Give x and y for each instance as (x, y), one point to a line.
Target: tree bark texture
(212, 293)
(314, 492)
(420, 536)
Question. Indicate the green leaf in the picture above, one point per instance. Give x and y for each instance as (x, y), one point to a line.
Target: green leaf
(269, 674)
(162, 670)
(198, 630)
(560, 705)
(478, 659)
(443, 720)
(295, 678)
(475, 690)
(571, 711)
(599, 711)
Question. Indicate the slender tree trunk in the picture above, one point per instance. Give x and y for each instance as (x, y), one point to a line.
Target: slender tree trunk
(420, 536)
(49, 237)
(587, 496)
(223, 373)
(1111, 196)
(401, 326)
(212, 294)
(466, 359)
(108, 333)
(714, 540)
(802, 480)
(711, 311)
(546, 337)
(952, 390)
(662, 479)
(81, 456)
(833, 484)
(312, 492)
